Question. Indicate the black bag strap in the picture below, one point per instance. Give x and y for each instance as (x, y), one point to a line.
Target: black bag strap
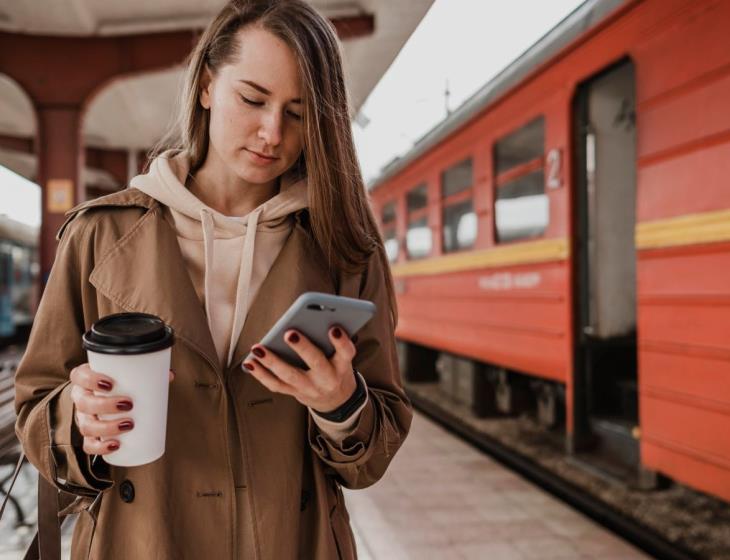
(21, 460)
(46, 544)
(32, 552)
(49, 524)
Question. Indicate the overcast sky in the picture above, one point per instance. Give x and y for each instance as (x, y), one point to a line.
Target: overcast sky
(465, 42)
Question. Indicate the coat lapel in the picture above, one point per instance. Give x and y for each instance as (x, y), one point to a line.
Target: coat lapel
(145, 272)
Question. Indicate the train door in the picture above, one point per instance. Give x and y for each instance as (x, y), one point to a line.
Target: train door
(605, 406)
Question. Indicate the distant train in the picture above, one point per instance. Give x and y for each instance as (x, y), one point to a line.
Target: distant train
(561, 242)
(19, 269)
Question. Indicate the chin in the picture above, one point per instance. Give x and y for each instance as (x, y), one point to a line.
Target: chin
(257, 176)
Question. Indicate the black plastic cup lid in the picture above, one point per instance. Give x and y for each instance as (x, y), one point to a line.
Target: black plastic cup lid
(128, 333)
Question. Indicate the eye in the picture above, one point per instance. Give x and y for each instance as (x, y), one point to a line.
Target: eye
(250, 102)
(259, 103)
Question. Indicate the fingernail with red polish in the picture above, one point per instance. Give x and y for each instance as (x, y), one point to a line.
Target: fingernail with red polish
(104, 385)
(293, 338)
(258, 352)
(126, 425)
(248, 365)
(124, 405)
(336, 332)
(113, 446)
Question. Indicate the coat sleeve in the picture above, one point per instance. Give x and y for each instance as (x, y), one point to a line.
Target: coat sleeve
(45, 422)
(362, 457)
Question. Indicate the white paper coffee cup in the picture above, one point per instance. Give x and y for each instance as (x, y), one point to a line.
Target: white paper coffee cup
(134, 349)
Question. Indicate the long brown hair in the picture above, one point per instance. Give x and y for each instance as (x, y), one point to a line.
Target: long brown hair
(341, 218)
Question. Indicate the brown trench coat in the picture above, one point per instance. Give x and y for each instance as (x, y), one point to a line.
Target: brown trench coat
(243, 467)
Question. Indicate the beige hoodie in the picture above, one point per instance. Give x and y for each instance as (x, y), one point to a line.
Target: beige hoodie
(227, 266)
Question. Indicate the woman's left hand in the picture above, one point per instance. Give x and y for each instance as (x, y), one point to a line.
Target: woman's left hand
(327, 384)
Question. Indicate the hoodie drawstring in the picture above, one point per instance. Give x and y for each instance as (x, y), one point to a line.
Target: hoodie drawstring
(206, 218)
(244, 280)
(243, 296)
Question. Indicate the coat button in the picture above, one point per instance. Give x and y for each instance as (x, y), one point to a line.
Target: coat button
(126, 491)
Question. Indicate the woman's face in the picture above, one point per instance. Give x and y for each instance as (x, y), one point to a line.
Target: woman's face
(255, 108)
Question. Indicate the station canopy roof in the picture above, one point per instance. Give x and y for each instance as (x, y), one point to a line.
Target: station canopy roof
(132, 113)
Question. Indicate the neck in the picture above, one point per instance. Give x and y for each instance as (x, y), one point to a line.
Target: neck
(226, 192)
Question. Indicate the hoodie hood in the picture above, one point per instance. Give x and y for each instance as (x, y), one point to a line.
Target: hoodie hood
(194, 221)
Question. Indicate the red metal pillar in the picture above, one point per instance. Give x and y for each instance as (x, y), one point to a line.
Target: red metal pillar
(113, 161)
(61, 75)
(141, 161)
(60, 160)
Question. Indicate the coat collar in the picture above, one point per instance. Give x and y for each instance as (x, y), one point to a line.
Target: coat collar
(144, 271)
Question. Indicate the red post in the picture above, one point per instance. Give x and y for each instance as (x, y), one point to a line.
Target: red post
(60, 159)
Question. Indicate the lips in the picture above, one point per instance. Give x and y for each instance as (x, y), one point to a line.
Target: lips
(260, 154)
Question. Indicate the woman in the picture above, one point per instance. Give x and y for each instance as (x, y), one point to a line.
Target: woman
(261, 199)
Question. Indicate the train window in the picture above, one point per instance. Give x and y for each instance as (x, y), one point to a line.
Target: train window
(460, 226)
(391, 244)
(418, 234)
(522, 146)
(417, 198)
(390, 238)
(388, 214)
(418, 239)
(456, 178)
(521, 208)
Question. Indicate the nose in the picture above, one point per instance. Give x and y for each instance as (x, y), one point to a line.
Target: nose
(270, 128)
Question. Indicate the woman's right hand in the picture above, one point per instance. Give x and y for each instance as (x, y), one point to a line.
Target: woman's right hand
(84, 381)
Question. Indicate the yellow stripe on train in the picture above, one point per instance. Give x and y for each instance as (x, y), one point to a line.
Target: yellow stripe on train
(692, 229)
(519, 253)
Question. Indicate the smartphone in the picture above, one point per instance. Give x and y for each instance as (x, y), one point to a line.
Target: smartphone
(313, 314)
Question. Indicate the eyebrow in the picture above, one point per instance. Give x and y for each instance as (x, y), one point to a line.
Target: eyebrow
(265, 91)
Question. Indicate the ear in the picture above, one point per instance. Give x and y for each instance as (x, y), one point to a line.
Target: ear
(206, 81)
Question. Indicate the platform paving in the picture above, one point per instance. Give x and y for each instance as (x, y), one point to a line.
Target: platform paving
(443, 499)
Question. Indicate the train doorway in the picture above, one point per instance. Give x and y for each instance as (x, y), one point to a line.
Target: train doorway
(605, 396)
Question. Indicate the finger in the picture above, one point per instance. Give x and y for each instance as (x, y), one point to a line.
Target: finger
(92, 427)
(345, 350)
(267, 379)
(290, 375)
(172, 375)
(309, 353)
(95, 447)
(88, 403)
(77, 391)
(87, 378)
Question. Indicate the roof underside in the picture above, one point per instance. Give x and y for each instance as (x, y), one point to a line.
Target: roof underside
(133, 113)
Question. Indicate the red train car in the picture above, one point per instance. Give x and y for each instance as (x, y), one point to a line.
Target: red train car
(567, 232)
